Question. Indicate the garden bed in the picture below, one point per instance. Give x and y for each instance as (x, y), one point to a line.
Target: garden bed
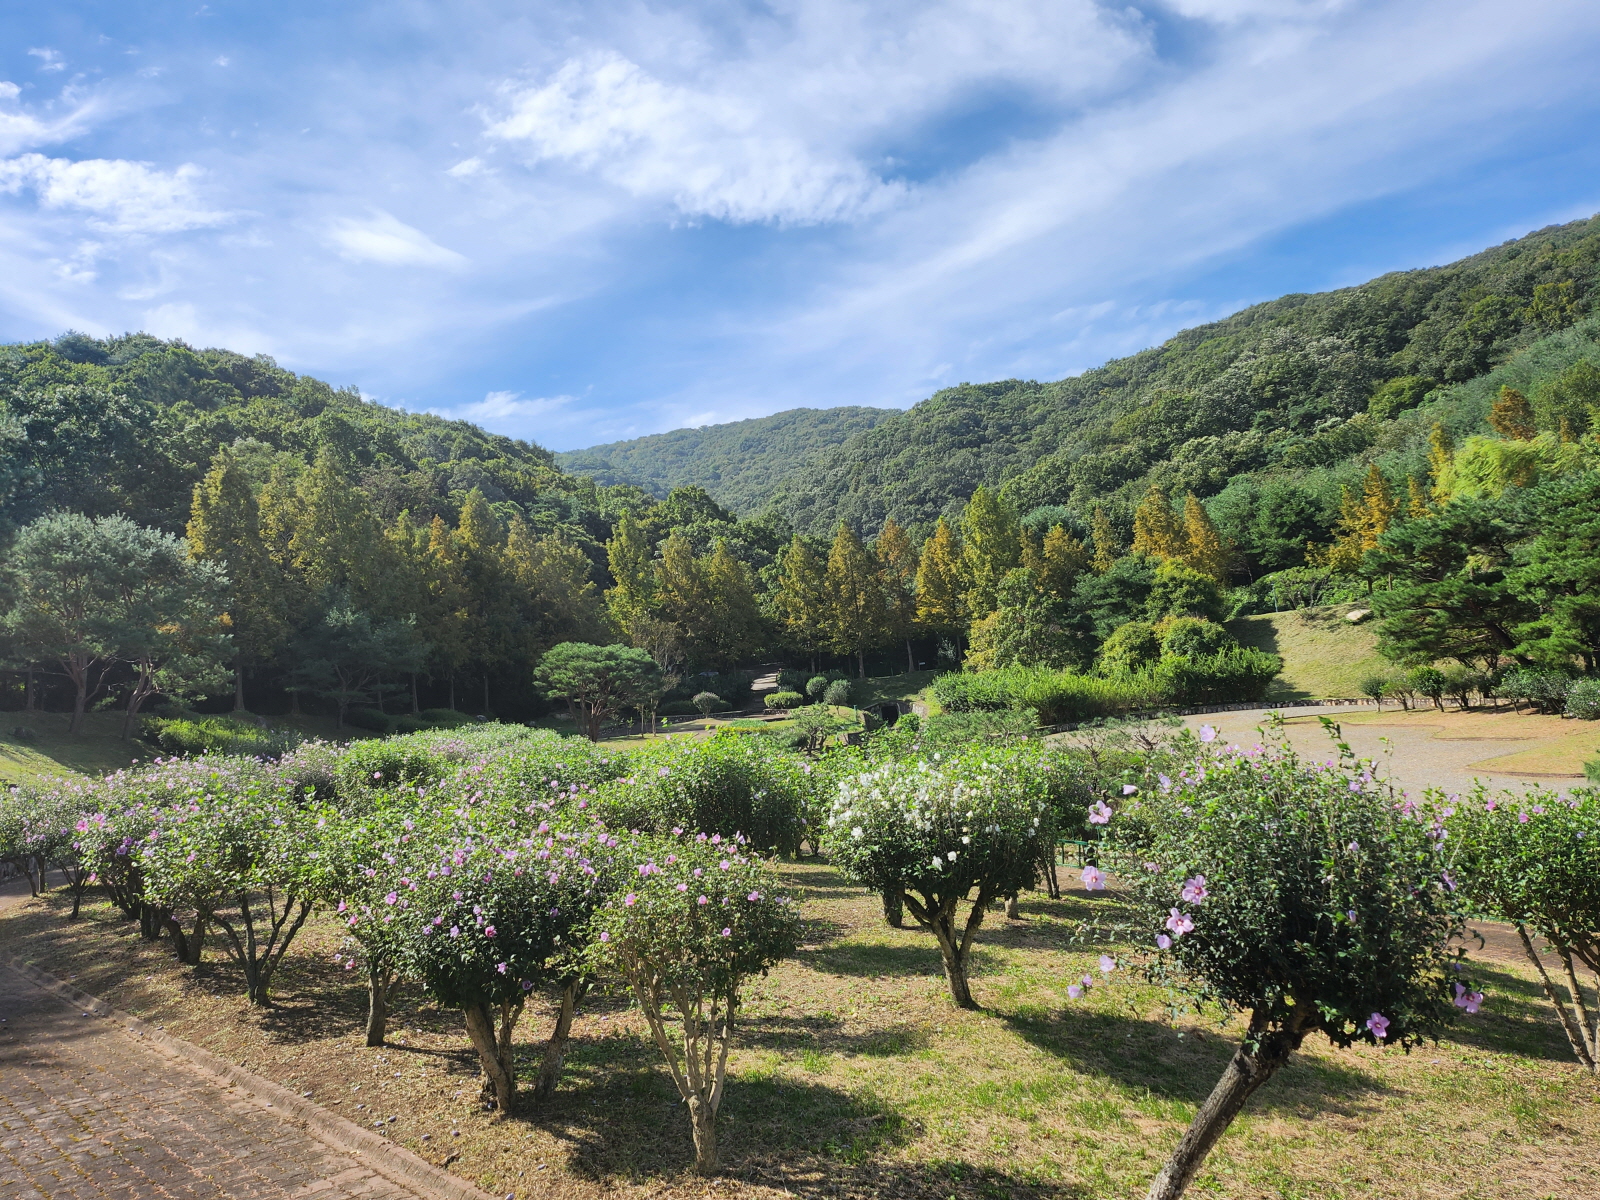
(856, 1077)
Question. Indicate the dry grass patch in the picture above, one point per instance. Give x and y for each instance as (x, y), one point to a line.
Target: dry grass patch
(1323, 654)
(855, 1076)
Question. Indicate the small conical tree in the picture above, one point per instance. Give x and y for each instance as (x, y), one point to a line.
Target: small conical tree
(897, 567)
(1441, 455)
(799, 603)
(1157, 531)
(1511, 416)
(1204, 548)
(992, 548)
(1107, 547)
(857, 616)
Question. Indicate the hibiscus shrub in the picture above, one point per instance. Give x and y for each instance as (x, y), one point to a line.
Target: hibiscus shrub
(484, 916)
(1534, 860)
(943, 832)
(1306, 897)
(687, 920)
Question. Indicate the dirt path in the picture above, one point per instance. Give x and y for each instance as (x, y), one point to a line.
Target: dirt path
(1423, 750)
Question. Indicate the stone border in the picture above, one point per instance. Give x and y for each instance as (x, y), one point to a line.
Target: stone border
(393, 1162)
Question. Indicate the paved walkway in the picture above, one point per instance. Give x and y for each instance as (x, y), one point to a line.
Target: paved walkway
(87, 1111)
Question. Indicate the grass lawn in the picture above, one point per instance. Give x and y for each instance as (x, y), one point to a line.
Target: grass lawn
(52, 752)
(1323, 654)
(855, 1077)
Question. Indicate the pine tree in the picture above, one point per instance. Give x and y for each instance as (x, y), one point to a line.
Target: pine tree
(799, 603)
(632, 564)
(405, 589)
(1511, 416)
(1364, 517)
(857, 616)
(225, 528)
(556, 599)
(491, 622)
(335, 542)
(446, 616)
(941, 582)
(1416, 498)
(1107, 549)
(1064, 558)
(992, 547)
(897, 568)
(1441, 458)
(1204, 548)
(1157, 531)
(735, 630)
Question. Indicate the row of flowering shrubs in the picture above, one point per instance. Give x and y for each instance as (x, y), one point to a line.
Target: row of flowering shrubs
(494, 864)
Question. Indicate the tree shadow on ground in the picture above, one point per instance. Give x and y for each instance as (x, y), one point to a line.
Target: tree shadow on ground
(1515, 1018)
(1184, 1065)
(619, 1118)
(869, 959)
(826, 1034)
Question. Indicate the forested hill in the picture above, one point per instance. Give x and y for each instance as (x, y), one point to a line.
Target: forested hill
(1281, 387)
(130, 424)
(738, 463)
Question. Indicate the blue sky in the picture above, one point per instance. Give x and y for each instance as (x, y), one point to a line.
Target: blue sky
(578, 222)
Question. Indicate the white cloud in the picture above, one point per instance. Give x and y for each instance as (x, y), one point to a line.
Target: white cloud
(467, 166)
(703, 153)
(507, 412)
(21, 128)
(49, 60)
(384, 238)
(122, 196)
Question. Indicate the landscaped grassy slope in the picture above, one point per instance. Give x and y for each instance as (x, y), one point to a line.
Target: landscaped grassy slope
(738, 463)
(854, 1077)
(1323, 654)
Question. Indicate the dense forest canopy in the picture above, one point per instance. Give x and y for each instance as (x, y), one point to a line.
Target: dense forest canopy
(738, 464)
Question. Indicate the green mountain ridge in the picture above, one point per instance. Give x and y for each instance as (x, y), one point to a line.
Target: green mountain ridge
(1281, 387)
(737, 463)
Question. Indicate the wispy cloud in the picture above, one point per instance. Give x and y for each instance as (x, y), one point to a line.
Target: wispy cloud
(381, 237)
(49, 60)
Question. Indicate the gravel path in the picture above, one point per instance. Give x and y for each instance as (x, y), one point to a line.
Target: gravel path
(87, 1111)
(1417, 758)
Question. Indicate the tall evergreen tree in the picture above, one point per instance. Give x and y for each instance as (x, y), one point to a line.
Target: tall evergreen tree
(225, 529)
(557, 599)
(734, 630)
(1107, 546)
(491, 625)
(1511, 416)
(992, 548)
(447, 614)
(941, 583)
(857, 616)
(1062, 559)
(897, 568)
(1157, 531)
(1441, 454)
(799, 602)
(629, 556)
(1204, 548)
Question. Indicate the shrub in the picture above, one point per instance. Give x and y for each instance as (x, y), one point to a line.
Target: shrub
(1131, 648)
(480, 934)
(1546, 691)
(936, 831)
(369, 719)
(838, 693)
(1583, 700)
(1430, 682)
(785, 700)
(707, 702)
(676, 708)
(422, 759)
(1181, 591)
(813, 724)
(1375, 687)
(791, 680)
(217, 735)
(693, 921)
(1240, 674)
(815, 687)
(1303, 896)
(727, 785)
(1192, 637)
(1463, 683)
(1534, 861)
(446, 718)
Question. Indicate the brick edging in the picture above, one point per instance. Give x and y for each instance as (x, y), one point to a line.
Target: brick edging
(393, 1162)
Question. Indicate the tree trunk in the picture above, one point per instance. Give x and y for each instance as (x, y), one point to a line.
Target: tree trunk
(894, 908)
(1013, 913)
(486, 693)
(480, 1029)
(238, 684)
(1245, 1073)
(415, 709)
(1569, 1023)
(911, 659)
(80, 700)
(861, 663)
(555, 1050)
(452, 691)
(704, 1120)
(29, 701)
(380, 982)
(187, 946)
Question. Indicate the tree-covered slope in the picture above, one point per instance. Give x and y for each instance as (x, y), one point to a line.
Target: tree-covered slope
(1284, 385)
(130, 424)
(738, 463)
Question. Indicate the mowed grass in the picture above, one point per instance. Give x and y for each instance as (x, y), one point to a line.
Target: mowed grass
(855, 1077)
(1323, 654)
(50, 752)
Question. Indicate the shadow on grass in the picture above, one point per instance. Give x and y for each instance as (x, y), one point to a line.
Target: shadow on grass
(620, 1119)
(870, 959)
(1184, 1065)
(1515, 1019)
